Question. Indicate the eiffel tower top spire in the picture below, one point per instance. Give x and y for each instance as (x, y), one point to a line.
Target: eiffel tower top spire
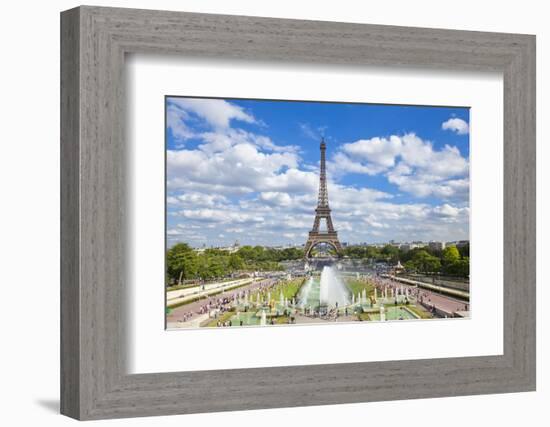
(322, 201)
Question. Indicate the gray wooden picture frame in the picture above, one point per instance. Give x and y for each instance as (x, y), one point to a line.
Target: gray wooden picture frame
(94, 41)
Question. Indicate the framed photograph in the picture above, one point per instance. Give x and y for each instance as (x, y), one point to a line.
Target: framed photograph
(291, 213)
(239, 205)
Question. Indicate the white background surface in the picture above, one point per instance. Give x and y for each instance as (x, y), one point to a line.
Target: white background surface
(29, 218)
(150, 78)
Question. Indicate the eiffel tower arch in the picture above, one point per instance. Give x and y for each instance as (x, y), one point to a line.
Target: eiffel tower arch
(322, 212)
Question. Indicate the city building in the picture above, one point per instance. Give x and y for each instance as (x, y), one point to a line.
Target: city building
(412, 245)
(436, 246)
(231, 249)
(458, 243)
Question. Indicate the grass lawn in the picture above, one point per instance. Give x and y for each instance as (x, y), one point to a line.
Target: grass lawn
(355, 286)
(290, 289)
(223, 318)
(422, 314)
(281, 320)
(419, 312)
(190, 285)
(178, 287)
(363, 317)
(205, 297)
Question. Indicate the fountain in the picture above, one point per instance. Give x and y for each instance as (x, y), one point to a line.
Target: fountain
(382, 313)
(305, 292)
(333, 292)
(281, 299)
(263, 319)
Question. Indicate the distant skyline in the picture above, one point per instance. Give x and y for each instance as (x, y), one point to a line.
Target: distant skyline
(247, 170)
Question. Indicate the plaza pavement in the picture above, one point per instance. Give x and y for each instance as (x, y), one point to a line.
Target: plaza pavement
(442, 302)
(177, 315)
(186, 294)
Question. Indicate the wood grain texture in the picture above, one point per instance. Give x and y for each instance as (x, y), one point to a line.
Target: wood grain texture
(94, 381)
(70, 292)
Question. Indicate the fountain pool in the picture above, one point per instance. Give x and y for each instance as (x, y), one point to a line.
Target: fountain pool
(394, 313)
(328, 290)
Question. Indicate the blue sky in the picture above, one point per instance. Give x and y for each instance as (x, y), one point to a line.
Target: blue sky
(247, 170)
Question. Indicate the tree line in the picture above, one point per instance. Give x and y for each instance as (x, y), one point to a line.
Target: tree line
(184, 263)
(452, 261)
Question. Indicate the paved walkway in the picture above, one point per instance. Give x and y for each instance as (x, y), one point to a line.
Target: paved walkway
(187, 294)
(301, 319)
(443, 303)
(452, 292)
(185, 315)
(194, 322)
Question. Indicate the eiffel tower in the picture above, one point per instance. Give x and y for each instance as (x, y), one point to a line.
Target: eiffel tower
(322, 211)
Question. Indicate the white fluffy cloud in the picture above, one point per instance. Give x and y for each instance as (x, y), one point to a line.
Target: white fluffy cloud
(456, 125)
(409, 162)
(379, 152)
(358, 215)
(221, 140)
(276, 198)
(218, 113)
(449, 212)
(196, 199)
(175, 121)
(221, 216)
(341, 164)
(239, 169)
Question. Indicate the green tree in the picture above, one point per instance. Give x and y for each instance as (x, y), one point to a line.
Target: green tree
(465, 250)
(290, 254)
(452, 262)
(184, 263)
(181, 262)
(450, 255)
(373, 252)
(236, 262)
(425, 262)
(459, 268)
(391, 252)
(410, 266)
(216, 267)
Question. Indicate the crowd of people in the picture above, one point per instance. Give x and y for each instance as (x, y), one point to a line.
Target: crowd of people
(428, 300)
(221, 304)
(247, 299)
